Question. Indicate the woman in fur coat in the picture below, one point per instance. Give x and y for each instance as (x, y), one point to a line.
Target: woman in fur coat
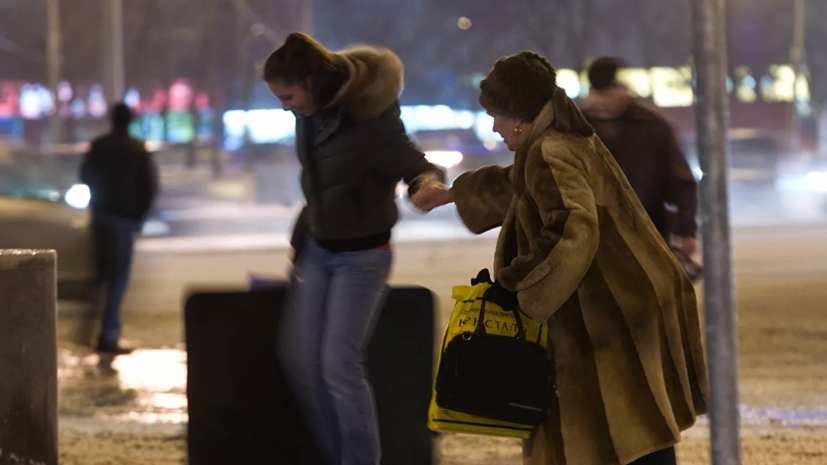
(580, 252)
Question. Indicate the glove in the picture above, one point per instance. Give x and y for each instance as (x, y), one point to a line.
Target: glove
(502, 297)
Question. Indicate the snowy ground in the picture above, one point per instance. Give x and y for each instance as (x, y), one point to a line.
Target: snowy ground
(133, 411)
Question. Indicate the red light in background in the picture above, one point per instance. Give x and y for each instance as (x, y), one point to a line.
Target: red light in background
(158, 101)
(180, 96)
(10, 99)
(202, 101)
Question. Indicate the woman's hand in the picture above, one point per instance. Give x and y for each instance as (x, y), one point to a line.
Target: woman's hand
(431, 195)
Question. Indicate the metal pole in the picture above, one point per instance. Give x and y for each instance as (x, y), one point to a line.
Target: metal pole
(244, 62)
(118, 62)
(719, 294)
(213, 85)
(113, 50)
(54, 64)
(797, 62)
(307, 17)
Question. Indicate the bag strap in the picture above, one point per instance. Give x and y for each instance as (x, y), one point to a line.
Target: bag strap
(521, 334)
(482, 277)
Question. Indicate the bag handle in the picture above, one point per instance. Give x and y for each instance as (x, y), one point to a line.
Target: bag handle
(521, 334)
(484, 276)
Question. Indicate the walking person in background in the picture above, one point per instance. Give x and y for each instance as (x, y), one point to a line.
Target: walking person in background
(645, 146)
(123, 181)
(578, 251)
(354, 150)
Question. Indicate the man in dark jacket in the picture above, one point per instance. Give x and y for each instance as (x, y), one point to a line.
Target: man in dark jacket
(123, 181)
(648, 152)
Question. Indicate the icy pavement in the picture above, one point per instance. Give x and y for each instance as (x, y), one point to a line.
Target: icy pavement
(149, 387)
(765, 416)
(133, 411)
(146, 387)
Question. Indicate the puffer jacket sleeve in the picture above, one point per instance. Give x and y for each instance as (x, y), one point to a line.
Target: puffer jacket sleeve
(483, 197)
(395, 154)
(568, 239)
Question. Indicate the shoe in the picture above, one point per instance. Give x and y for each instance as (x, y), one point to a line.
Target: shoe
(113, 348)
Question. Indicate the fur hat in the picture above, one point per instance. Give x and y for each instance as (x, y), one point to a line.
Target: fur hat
(519, 86)
(524, 86)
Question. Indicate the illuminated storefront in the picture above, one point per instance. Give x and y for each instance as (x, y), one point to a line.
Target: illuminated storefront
(182, 114)
(177, 115)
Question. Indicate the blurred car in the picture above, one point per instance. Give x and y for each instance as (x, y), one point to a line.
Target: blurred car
(756, 158)
(42, 207)
(806, 183)
(460, 150)
(46, 220)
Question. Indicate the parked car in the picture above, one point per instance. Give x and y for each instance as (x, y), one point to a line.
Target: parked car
(41, 222)
(756, 158)
(461, 150)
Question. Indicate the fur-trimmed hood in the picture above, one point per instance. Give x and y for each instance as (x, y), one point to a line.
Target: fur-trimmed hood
(375, 83)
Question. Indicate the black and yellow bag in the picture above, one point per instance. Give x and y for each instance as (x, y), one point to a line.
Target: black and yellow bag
(493, 375)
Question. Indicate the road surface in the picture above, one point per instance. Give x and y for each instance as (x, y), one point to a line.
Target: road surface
(133, 413)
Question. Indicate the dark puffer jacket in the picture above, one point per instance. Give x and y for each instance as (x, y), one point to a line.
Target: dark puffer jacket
(355, 152)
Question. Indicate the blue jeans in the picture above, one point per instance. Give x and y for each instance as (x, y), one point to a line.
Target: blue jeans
(334, 303)
(114, 241)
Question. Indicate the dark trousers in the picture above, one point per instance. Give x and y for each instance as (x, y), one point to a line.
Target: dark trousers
(661, 457)
(114, 240)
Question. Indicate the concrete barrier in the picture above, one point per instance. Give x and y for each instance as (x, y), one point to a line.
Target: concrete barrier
(28, 357)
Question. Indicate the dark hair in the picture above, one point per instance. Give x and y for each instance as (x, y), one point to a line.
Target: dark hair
(120, 115)
(603, 72)
(303, 61)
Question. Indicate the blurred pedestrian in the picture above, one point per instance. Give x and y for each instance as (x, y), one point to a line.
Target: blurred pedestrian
(354, 150)
(123, 181)
(578, 251)
(645, 146)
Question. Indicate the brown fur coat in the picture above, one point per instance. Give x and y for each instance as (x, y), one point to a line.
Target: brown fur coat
(625, 336)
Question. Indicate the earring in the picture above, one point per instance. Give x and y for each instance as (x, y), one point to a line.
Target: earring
(518, 131)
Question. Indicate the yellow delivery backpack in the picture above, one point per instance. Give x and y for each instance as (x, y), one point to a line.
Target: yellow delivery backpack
(498, 322)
